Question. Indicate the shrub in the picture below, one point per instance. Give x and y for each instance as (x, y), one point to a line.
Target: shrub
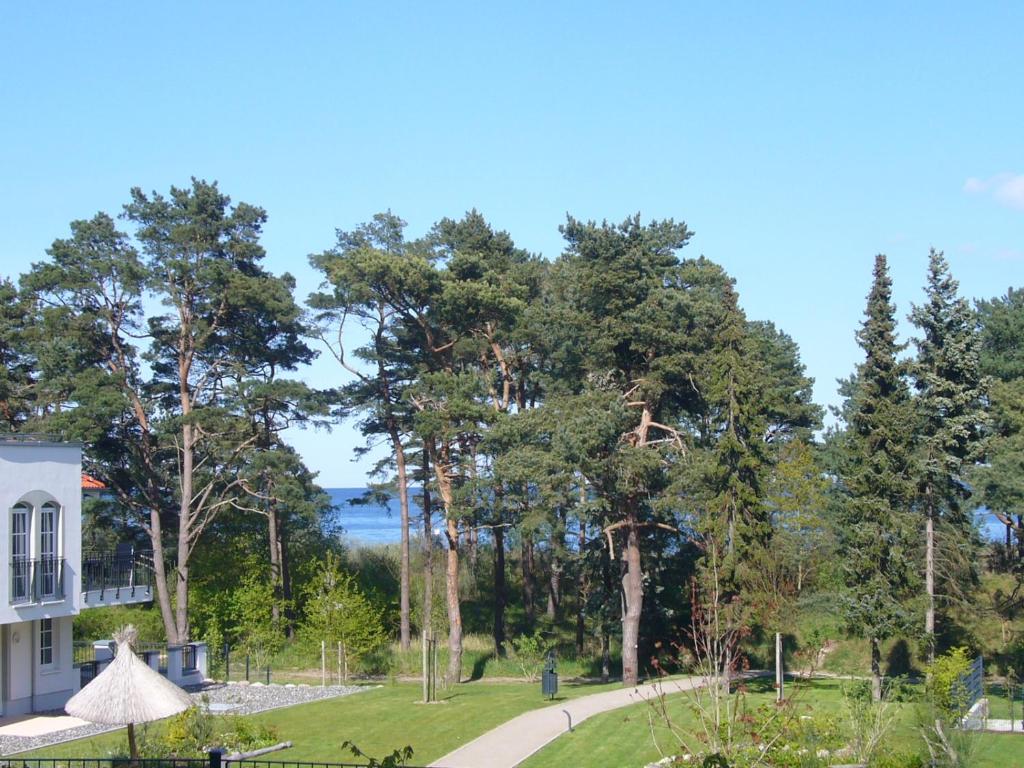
(529, 652)
(943, 687)
(195, 731)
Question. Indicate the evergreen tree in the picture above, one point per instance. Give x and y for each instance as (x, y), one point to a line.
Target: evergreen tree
(1001, 479)
(369, 272)
(876, 481)
(16, 364)
(950, 417)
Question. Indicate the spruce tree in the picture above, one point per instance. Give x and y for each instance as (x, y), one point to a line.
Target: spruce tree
(875, 477)
(949, 418)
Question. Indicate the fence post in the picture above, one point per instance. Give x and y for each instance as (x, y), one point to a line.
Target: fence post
(426, 678)
(227, 662)
(268, 674)
(779, 678)
(215, 755)
(247, 667)
(323, 663)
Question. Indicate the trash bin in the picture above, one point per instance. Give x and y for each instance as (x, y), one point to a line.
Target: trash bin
(549, 677)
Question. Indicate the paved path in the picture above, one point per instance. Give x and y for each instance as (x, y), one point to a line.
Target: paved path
(510, 743)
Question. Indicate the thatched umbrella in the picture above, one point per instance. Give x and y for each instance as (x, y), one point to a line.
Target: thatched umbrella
(128, 692)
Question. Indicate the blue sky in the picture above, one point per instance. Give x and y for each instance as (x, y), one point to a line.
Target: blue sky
(796, 140)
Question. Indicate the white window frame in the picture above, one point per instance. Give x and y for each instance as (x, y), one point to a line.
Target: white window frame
(49, 549)
(21, 562)
(48, 630)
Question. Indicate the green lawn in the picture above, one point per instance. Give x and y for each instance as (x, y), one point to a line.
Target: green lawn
(382, 719)
(632, 737)
(377, 720)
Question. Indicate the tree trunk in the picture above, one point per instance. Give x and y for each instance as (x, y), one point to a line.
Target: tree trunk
(876, 670)
(527, 564)
(275, 561)
(163, 594)
(403, 504)
(499, 590)
(286, 575)
(442, 468)
(633, 592)
(929, 577)
(471, 548)
(554, 586)
(428, 548)
(184, 529)
(581, 591)
(454, 673)
(555, 576)
(606, 655)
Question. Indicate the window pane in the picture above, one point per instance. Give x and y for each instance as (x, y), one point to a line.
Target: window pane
(46, 641)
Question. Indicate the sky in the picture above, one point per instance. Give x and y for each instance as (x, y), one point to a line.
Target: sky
(797, 140)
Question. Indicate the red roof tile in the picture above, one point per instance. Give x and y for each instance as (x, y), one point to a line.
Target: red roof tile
(91, 483)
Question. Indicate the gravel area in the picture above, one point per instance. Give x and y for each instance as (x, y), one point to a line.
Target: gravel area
(222, 698)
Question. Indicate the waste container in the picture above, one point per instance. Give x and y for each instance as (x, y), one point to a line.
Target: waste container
(549, 677)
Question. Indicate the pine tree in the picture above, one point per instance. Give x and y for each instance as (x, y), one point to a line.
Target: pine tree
(876, 472)
(949, 418)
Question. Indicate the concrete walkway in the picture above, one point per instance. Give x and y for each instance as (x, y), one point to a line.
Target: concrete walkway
(510, 743)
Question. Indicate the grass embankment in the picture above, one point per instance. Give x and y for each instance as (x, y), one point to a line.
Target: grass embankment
(635, 735)
(378, 721)
(298, 663)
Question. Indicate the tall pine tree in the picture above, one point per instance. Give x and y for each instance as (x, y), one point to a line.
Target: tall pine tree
(876, 481)
(949, 418)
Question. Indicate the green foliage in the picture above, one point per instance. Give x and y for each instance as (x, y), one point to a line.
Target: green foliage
(260, 634)
(529, 652)
(944, 687)
(876, 465)
(194, 732)
(338, 613)
(101, 622)
(397, 758)
(899, 759)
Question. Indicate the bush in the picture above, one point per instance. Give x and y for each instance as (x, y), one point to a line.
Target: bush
(101, 622)
(899, 760)
(943, 686)
(529, 651)
(195, 731)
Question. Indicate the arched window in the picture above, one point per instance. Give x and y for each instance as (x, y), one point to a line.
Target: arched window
(49, 557)
(21, 562)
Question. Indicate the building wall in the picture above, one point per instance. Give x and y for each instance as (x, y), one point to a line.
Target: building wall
(34, 472)
(42, 688)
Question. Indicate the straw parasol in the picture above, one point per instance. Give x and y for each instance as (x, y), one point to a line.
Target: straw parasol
(128, 692)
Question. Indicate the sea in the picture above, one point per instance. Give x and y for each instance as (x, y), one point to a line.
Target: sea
(376, 523)
(373, 523)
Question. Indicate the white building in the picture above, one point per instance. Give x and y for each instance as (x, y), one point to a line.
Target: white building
(41, 581)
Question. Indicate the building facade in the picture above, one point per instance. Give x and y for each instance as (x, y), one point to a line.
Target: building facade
(41, 583)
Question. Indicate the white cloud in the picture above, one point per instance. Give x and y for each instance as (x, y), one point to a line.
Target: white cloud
(974, 186)
(1009, 254)
(1005, 188)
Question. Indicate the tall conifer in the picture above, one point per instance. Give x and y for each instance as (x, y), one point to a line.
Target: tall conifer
(949, 417)
(876, 473)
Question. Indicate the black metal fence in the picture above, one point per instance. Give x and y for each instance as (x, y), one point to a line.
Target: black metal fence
(215, 759)
(36, 580)
(117, 572)
(971, 686)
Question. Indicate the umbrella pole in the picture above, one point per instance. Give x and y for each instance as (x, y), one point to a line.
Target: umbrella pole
(133, 748)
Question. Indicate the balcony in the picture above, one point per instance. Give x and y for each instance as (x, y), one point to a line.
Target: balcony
(117, 578)
(39, 580)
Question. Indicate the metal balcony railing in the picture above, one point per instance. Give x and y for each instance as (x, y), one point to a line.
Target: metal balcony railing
(37, 580)
(125, 569)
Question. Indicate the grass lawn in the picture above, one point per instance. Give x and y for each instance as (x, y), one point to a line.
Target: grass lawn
(382, 719)
(631, 737)
(378, 721)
